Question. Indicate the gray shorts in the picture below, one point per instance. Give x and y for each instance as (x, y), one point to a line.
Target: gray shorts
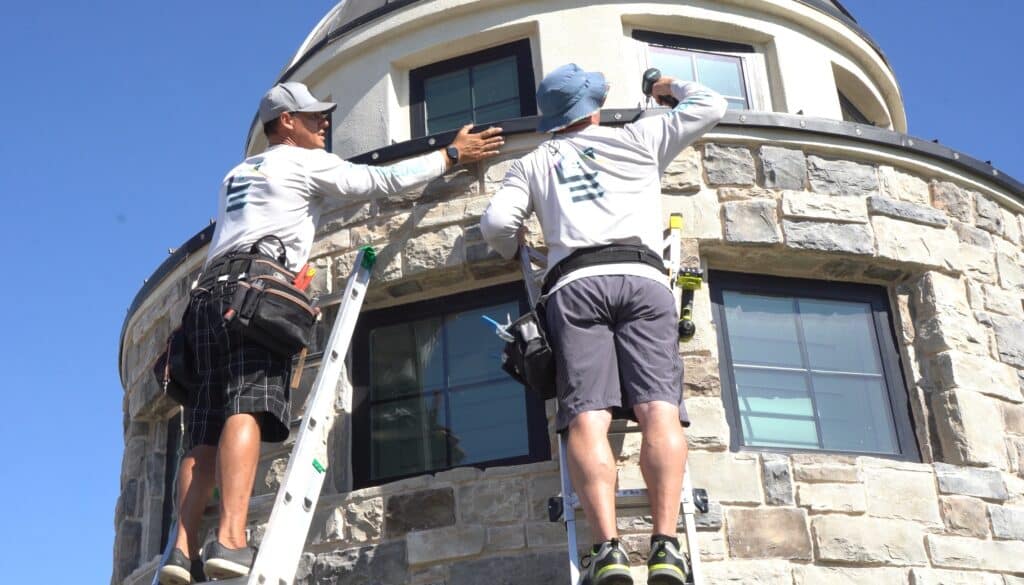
(616, 344)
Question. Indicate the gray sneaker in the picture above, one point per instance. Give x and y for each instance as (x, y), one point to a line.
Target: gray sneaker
(176, 570)
(609, 565)
(222, 562)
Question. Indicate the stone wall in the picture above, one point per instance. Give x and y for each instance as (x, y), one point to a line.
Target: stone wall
(946, 247)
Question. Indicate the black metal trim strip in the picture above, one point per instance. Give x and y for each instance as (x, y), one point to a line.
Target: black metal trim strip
(733, 121)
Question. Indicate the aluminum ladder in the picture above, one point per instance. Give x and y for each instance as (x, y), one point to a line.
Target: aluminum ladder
(563, 508)
(281, 549)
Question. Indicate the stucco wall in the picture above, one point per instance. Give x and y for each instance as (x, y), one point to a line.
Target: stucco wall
(947, 247)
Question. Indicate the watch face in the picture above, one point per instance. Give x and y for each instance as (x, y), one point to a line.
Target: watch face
(453, 153)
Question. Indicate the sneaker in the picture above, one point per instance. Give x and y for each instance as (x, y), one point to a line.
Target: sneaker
(667, 566)
(176, 571)
(608, 566)
(226, 563)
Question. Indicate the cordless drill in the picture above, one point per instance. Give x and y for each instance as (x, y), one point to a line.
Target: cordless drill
(651, 76)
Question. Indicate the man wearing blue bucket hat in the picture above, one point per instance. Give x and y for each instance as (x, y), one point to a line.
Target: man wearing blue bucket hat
(610, 315)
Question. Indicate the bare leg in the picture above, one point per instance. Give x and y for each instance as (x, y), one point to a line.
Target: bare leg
(592, 469)
(662, 461)
(195, 486)
(237, 456)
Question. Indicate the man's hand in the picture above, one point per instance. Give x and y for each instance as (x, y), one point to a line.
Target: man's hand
(477, 147)
(662, 92)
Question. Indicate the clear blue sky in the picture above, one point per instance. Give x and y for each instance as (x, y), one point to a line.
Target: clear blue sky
(122, 117)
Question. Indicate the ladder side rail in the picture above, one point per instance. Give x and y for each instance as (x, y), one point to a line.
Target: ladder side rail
(295, 504)
(689, 511)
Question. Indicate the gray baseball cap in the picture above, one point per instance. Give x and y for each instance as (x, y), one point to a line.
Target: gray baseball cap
(290, 96)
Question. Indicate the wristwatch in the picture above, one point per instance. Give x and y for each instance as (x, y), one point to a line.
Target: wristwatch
(453, 153)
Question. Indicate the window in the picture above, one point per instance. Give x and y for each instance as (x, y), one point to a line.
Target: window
(810, 365)
(850, 111)
(716, 64)
(487, 86)
(430, 392)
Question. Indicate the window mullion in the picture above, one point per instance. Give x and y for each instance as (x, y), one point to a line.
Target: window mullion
(445, 394)
(806, 359)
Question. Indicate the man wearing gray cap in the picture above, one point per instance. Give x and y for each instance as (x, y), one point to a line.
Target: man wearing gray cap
(270, 203)
(611, 317)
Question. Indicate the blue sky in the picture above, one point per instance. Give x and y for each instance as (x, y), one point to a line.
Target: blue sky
(122, 117)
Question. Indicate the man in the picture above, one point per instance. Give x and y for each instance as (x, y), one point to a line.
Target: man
(611, 317)
(244, 395)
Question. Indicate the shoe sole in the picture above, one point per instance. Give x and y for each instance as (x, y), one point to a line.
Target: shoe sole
(171, 575)
(224, 569)
(665, 578)
(616, 578)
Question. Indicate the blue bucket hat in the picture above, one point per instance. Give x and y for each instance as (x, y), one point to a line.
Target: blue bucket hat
(567, 95)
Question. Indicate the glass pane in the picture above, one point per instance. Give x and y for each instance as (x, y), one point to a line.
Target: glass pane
(839, 335)
(494, 82)
(762, 330)
(721, 73)
(775, 408)
(855, 414)
(408, 436)
(499, 111)
(737, 104)
(406, 359)
(489, 423)
(453, 122)
(447, 94)
(671, 62)
(474, 351)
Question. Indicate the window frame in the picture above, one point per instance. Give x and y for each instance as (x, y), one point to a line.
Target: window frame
(885, 339)
(538, 442)
(741, 51)
(524, 63)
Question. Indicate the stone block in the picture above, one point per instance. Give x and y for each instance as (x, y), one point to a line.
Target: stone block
(841, 177)
(969, 427)
(730, 478)
(431, 251)
(829, 237)
(907, 211)
(868, 541)
(1007, 523)
(1010, 266)
(939, 577)
(506, 538)
(701, 214)
(957, 552)
(542, 487)
(765, 533)
(752, 222)
(127, 547)
(701, 376)
(778, 481)
(900, 185)
(533, 567)
(735, 572)
(813, 575)
(709, 429)
(951, 331)
(902, 494)
(979, 263)
(727, 194)
(784, 168)
(385, 563)
(684, 174)
(990, 215)
(803, 205)
(953, 200)
(812, 467)
(938, 294)
(442, 544)
(493, 501)
(365, 520)
(1013, 417)
(1009, 339)
(729, 165)
(542, 534)
(964, 516)
(419, 511)
(969, 234)
(847, 498)
(912, 243)
(1003, 302)
(976, 373)
(968, 481)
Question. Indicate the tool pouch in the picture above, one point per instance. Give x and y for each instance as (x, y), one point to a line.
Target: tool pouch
(528, 357)
(175, 370)
(272, 313)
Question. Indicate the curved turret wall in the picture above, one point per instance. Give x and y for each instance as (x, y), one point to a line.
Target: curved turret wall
(776, 206)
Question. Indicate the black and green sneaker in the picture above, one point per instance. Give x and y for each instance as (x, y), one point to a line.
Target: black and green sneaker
(666, 565)
(608, 565)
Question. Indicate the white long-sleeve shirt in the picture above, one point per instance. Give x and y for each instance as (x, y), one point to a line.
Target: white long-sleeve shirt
(600, 185)
(281, 192)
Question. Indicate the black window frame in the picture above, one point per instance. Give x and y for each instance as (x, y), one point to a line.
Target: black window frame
(524, 63)
(536, 417)
(885, 337)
